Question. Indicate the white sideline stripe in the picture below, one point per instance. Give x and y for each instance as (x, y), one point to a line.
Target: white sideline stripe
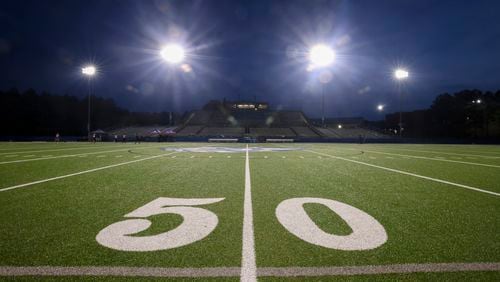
(75, 155)
(446, 153)
(248, 264)
(53, 150)
(411, 174)
(81, 172)
(234, 271)
(376, 269)
(428, 158)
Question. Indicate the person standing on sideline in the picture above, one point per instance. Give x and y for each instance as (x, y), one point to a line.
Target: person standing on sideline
(57, 138)
(94, 138)
(124, 138)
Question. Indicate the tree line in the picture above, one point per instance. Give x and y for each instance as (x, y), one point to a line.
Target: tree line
(30, 113)
(465, 114)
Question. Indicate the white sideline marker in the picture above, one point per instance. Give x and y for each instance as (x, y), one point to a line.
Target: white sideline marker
(81, 172)
(248, 264)
(411, 174)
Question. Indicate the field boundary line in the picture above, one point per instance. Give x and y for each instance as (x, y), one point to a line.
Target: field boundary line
(190, 272)
(60, 149)
(82, 172)
(79, 154)
(376, 269)
(410, 174)
(426, 158)
(248, 263)
(118, 271)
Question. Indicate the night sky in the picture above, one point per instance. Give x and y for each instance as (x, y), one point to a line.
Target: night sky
(248, 49)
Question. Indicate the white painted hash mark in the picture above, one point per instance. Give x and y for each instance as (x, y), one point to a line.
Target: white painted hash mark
(248, 264)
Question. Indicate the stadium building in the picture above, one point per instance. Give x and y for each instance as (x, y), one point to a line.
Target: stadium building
(257, 121)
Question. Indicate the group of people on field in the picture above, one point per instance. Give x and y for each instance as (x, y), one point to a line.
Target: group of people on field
(95, 138)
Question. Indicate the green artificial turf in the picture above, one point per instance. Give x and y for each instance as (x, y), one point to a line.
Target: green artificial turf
(55, 223)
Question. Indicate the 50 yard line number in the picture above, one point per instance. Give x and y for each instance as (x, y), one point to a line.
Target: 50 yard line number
(198, 223)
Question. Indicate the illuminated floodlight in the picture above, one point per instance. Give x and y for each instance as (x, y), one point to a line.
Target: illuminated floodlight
(401, 74)
(321, 55)
(380, 107)
(89, 70)
(172, 53)
(339, 126)
(478, 101)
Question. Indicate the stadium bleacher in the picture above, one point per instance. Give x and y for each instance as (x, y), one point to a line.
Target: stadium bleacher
(221, 119)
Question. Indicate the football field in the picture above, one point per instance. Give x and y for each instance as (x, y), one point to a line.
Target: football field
(267, 212)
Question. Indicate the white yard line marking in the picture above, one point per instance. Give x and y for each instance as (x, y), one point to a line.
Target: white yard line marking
(230, 157)
(446, 153)
(301, 157)
(265, 157)
(248, 264)
(123, 271)
(210, 157)
(283, 157)
(81, 172)
(411, 174)
(28, 156)
(11, 156)
(74, 155)
(432, 159)
(101, 156)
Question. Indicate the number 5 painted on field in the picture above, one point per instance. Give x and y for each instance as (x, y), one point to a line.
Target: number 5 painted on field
(367, 232)
(197, 224)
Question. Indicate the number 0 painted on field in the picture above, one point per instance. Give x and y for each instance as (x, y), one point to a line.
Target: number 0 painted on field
(197, 224)
(367, 232)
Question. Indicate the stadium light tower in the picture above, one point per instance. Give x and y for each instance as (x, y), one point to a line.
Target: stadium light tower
(173, 53)
(401, 75)
(89, 71)
(321, 56)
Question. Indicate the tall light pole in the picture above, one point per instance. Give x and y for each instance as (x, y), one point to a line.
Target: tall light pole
(321, 56)
(88, 71)
(401, 75)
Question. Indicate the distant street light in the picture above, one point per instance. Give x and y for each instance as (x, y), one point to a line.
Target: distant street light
(89, 71)
(173, 53)
(401, 75)
(380, 107)
(478, 101)
(321, 56)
